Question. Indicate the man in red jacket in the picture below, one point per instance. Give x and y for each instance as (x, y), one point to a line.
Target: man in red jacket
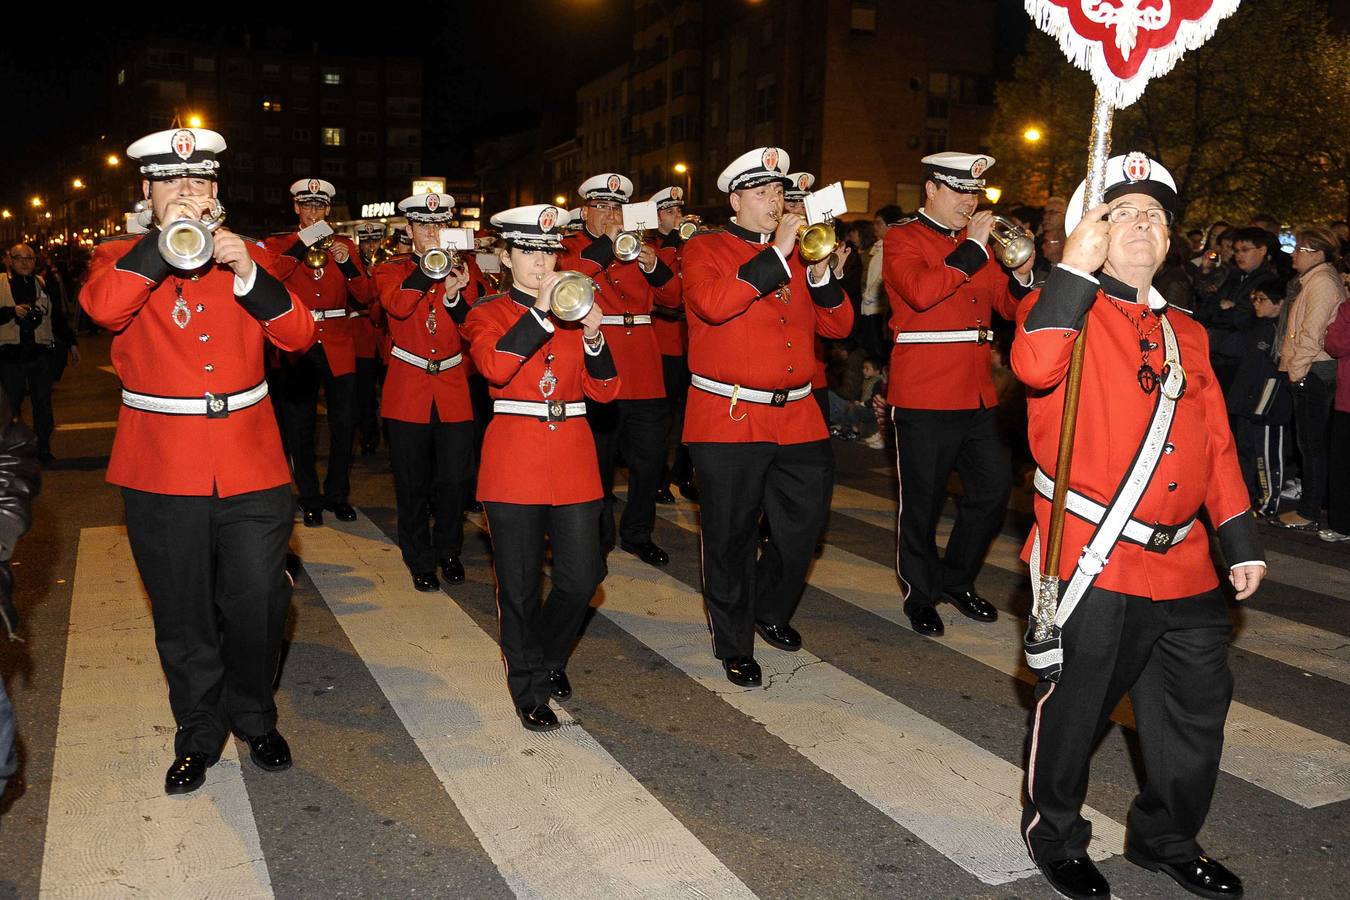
(672, 338)
(198, 455)
(1140, 608)
(635, 424)
(758, 440)
(327, 289)
(945, 288)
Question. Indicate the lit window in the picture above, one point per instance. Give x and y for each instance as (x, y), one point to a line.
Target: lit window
(332, 137)
(332, 76)
(271, 106)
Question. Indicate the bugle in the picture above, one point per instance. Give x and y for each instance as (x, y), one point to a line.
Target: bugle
(572, 296)
(187, 244)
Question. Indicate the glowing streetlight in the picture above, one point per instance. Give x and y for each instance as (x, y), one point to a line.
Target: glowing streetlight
(6, 214)
(560, 200)
(681, 168)
(46, 215)
(77, 184)
(194, 121)
(1032, 135)
(37, 202)
(993, 194)
(113, 160)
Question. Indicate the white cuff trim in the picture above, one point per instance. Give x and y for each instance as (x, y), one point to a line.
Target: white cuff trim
(782, 259)
(241, 286)
(542, 319)
(1080, 274)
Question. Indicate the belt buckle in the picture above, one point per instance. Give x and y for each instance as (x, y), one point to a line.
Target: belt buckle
(433, 366)
(217, 406)
(983, 336)
(628, 320)
(316, 314)
(557, 411)
(1162, 539)
(779, 398)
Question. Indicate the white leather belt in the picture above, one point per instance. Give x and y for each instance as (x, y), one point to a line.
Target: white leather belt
(321, 314)
(628, 320)
(779, 397)
(213, 406)
(550, 411)
(1157, 538)
(961, 336)
(432, 366)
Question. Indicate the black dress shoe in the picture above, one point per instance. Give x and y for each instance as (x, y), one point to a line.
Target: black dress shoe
(925, 620)
(784, 637)
(270, 752)
(537, 718)
(972, 605)
(648, 552)
(426, 582)
(313, 518)
(187, 773)
(1076, 878)
(664, 496)
(743, 671)
(345, 512)
(558, 686)
(452, 569)
(689, 490)
(1201, 876)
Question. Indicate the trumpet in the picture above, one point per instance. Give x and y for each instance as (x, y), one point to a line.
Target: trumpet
(572, 296)
(689, 227)
(316, 256)
(628, 245)
(436, 263)
(187, 244)
(1012, 245)
(816, 241)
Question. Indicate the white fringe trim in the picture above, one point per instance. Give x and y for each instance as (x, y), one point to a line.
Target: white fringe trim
(1053, 18)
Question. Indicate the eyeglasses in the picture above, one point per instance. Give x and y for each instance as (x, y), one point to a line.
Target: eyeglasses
(22, 258)
(607, 207)
(1128, 215)
(1303, 248)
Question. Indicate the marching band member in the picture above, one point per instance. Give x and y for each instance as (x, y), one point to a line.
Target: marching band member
(198, 455)
(945, 289)
(759, 444)
(323, 277)
(634, 425)
(1152, 445)
(367, 336)
(672, 339)
(540, 480)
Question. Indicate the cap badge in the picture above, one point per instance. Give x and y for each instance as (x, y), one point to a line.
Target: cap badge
(183, 143)
(433, 202)
(979, 167)
(677, 193)
(802, 183)
(1137, 166)
(613, 182)
(548, 218)
(770, 159)
(314, 185)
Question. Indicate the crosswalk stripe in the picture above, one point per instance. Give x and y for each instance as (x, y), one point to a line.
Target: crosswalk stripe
(555, 812)
(957, 797)
(111, 830)
(1282, 757)
(1304, 647)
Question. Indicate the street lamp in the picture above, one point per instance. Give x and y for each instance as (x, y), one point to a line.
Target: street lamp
(683, 169)
(6, 215)
(993, 193)
(560, 200)
(194, 121)
(113, 160)
(77, 184)
(1032, 134)
(37, 202)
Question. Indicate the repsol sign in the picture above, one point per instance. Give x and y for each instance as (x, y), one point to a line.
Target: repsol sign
(374, 210)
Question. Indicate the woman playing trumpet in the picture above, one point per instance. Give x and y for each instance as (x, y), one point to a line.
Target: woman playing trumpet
(539, 479)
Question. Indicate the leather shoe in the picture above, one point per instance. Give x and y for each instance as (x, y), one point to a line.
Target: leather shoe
(270, 752)
(784, 637)
(452, 569)
(537, 718)
(648, 552)
(1201, 876)
(187, 773)
(313, 518)
(426, 582)
(972, 605)
(743, 671)
(558, 686)
(689, 490)
(344, 511)
(925, 620)
(1076, 878)
(664, 496)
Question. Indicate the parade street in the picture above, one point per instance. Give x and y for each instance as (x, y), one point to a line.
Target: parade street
(872, 763)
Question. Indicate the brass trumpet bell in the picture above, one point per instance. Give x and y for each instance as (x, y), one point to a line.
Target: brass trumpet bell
(316, 256)
(817, 241)
(572, 296)
(689, 227)
(187, 244)
(436, 263)
(628, 246)
(1013, 246)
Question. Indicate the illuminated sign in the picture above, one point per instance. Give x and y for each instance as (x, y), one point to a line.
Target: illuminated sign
(428, 186)
(374, 210)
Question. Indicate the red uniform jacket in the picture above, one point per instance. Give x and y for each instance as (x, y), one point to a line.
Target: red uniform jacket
(1197, 470)
(132, 292)
(366, 335)
(753, 324)
(525, 460)
(672, 331)
(325, 288)
(408, 298)
(939, 281)
(625, 288)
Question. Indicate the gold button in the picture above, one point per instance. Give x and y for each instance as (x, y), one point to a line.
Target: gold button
(789, 343)
(196, 278)
(208, 367)
(789, 370)
(204, 338)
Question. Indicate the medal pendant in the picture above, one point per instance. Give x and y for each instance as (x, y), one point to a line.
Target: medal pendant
(181, 315)
(318, 273)
(785, 294)
(1147, 378)
(431, 321)
(548, 384)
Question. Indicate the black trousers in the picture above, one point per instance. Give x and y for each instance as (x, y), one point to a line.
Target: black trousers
(1172, 658)
(637, 429)
(790, 486)
(1338, 459)
(1260, 450)
(536, 637)
(366, 401)
(429, 461)
(1312, 417)
(300, 382)
(214, 568)
(32, 378)
(930, 444)
(675, 370)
